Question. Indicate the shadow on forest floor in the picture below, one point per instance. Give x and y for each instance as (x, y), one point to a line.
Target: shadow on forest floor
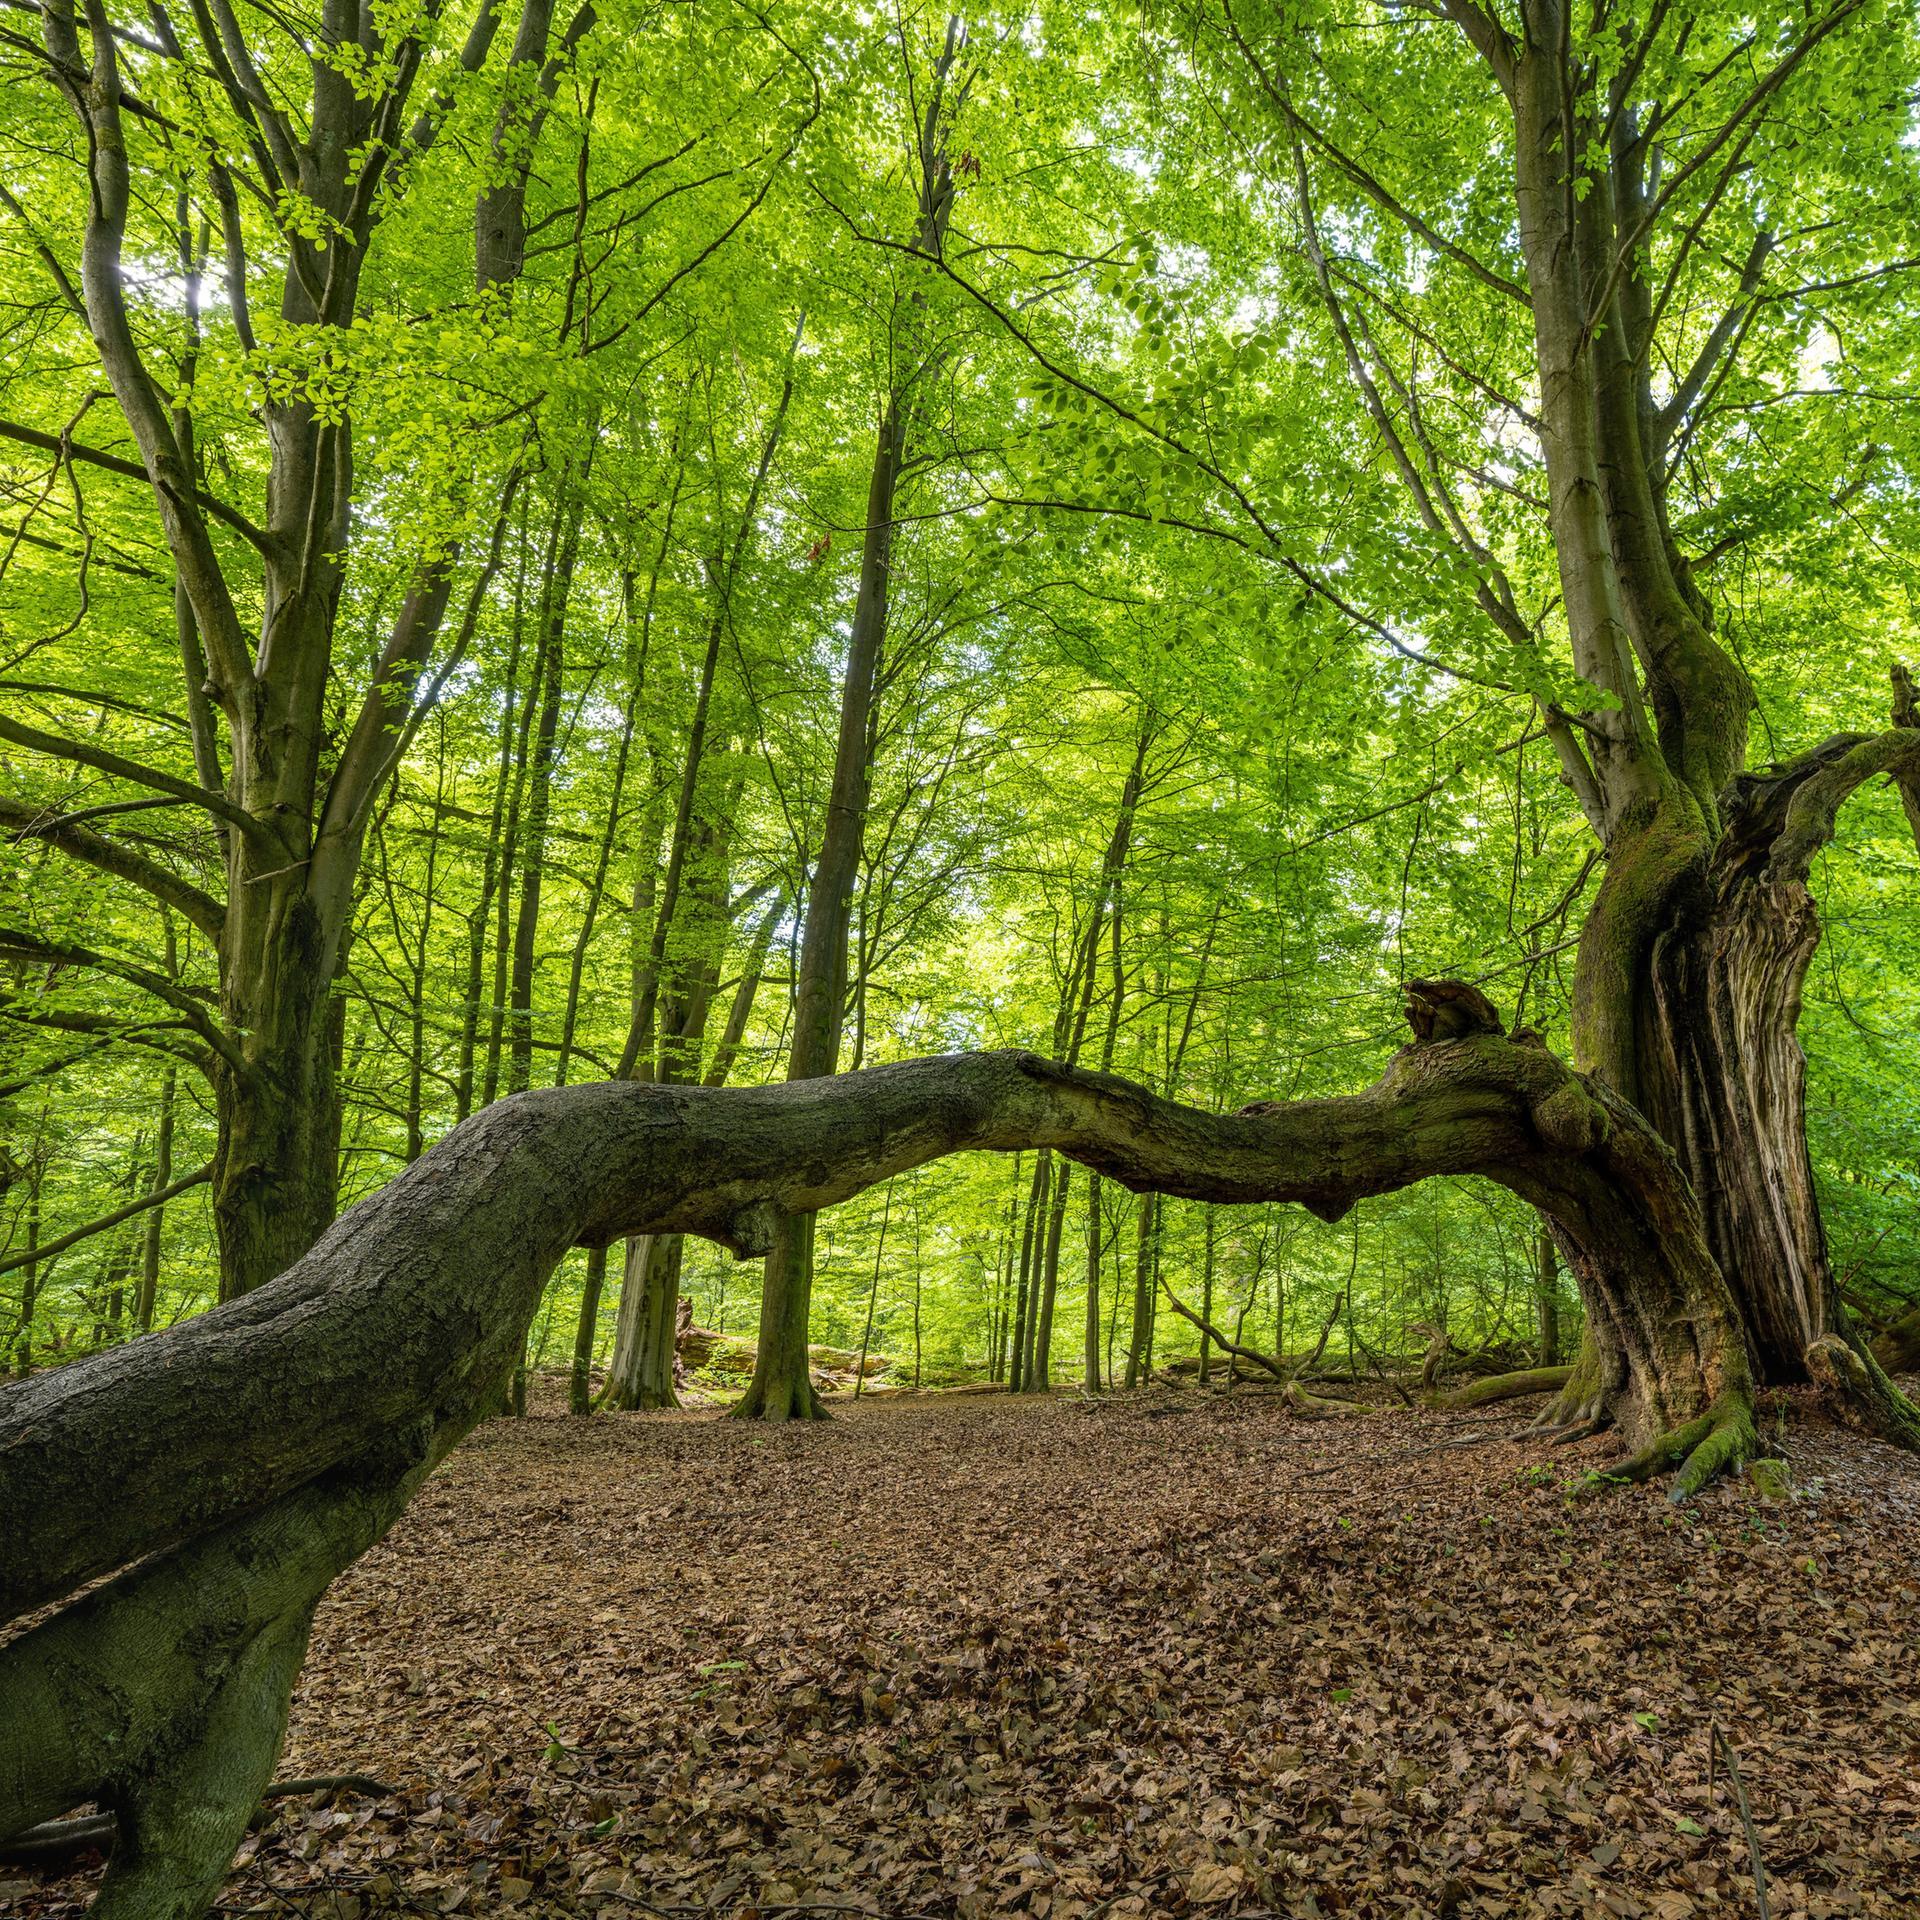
(1163, 1655)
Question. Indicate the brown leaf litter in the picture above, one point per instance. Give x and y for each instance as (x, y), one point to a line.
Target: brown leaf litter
(1163, 1654)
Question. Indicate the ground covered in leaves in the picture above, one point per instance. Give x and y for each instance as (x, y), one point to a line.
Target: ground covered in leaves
(957, 1656)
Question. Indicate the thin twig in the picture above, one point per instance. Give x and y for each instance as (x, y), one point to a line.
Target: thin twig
(1718, 1739)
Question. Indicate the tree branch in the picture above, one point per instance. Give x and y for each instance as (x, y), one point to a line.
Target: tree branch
(146, 1200)
(27, 946)
(59, 748)
(63, 448)
(1694, 383)
(110, 856)
(156, 1034)
(1374, 189)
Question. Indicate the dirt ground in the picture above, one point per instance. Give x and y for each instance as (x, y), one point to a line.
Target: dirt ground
(1162, 1655)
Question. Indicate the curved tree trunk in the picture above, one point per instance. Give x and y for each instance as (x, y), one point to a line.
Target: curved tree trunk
(242, 1458)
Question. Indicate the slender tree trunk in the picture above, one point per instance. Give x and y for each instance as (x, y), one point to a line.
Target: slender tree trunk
(919, 1279)
(873, 1293)
(1026, 1297)
(152, 1227)
(526, 935)
(580, 1380)
(782, 1387)
(1547, 1298)
(1041, 1377)
(1140, 1347)
(1206, 1302)
(509, 852)
(1090, 1356)
(419, 957)
(483, 907)
(29, 1275)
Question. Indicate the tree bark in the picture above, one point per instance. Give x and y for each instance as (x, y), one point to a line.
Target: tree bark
(243, 1457)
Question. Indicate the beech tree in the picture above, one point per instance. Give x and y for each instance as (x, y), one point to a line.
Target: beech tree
(1629, 149)
(782, 1383)
(261, 170)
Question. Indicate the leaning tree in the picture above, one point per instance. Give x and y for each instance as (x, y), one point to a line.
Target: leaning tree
(223, 1472)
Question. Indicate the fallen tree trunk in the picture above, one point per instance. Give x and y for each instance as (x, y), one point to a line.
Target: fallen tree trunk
(1503, 1386)
(1898, 1347)
(245, 1457)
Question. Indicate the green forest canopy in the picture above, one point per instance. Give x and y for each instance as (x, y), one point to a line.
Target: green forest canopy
(1218, 411)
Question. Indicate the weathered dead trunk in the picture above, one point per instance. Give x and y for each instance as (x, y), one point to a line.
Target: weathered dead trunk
(1724, 1081)
(1705, 969)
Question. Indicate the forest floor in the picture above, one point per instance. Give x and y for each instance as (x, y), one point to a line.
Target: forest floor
(1169, 1654)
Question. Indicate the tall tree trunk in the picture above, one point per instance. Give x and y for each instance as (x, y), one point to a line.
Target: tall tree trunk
(1206, 1304)
(1040, 1379)
(30, 1273)
(146, 1291)
(782, 1386)
(509, 838)
(1140, 1346)
(873, 1293)
(490, 877)
(586, 1331)
(1026, 1292)
(561, 555)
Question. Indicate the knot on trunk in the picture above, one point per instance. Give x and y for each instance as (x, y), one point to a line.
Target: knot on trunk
(1439, 1010)
(1906, 707)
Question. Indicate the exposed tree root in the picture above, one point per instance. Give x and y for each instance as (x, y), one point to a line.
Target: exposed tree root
(799, 1400)
(1502, 1386)
(1582, 1398)
(1721, 1441)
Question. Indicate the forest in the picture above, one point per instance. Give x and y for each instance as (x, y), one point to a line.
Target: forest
(959, 962)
